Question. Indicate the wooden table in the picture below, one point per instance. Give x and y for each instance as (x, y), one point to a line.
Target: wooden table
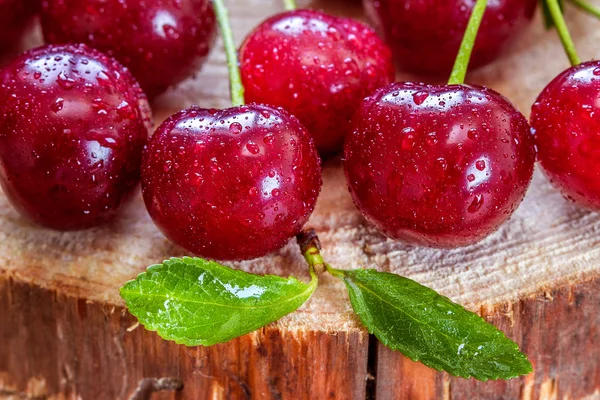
(65, 334)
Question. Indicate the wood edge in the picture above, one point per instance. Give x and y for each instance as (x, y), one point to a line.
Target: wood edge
(69, 347)
(105, 294)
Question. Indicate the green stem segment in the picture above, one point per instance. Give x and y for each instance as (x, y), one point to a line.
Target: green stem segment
(310, 246)
(459, 72)
(563, 31)
(235, 78)
(587, 7)
(289, 4)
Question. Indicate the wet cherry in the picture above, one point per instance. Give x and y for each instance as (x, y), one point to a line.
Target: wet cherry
(316, 66)
(231, 184)
(162, 42)
(566, 121)
(440, 166)
(425, 35)
(14, 18)
(73, 124)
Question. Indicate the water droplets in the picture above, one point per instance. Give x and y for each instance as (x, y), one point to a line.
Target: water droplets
(407, 138)
(476, 204)
(58, 105)
(473, 134)
(235, 128)
(420, 97)
(64, 81)
(252, 147)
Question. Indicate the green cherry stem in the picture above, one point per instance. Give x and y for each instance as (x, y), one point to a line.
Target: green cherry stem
(563, 31)
(289, 5)
(310, 247)
(459, 72)
(587, 7)
(235, 78)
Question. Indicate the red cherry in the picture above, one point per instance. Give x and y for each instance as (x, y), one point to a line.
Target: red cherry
(14, 18)
(162, 42)
(231, 184)
(566, 121)
(73, 124)
(316, 66)
(440, 166)
(425, 34)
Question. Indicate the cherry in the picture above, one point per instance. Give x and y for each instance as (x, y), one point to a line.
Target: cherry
(231, 184)
(73, 124)
(566, 121)
(439, 166)
(14, 20)
(162, 42)
(316, 66)
(425, 35)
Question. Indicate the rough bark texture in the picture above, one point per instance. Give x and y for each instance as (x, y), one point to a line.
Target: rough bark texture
(65, 334)
(57, 346)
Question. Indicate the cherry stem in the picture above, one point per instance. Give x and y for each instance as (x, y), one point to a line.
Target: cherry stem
(235, 77)
(587, 7)
(563, 31)
(289, 5)
(310, 247)
(459, 72)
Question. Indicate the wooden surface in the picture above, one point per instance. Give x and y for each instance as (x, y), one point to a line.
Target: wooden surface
(64, 333)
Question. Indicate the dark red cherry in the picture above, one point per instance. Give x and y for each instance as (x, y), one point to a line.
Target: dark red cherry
(566, 121)
(231, 184)
(14, 20)
(440, 166)
(316, 66)
(162, 42)
(73, 124)
(425, 34)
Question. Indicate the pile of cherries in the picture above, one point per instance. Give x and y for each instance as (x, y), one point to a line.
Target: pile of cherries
(440, 166)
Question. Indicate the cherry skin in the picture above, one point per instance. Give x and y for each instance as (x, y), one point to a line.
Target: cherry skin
(440, 166)
(231, 184)
(316, 66)
(14, 20)
(73, 124)
(162, 42)
(425, 34)
(566, 121)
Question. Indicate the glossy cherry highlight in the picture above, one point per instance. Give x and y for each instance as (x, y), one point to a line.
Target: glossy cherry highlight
(73, 124)
(566, 121)
(440, 166)
(316, 66)
(425, 35)
(231, 184)
(162, 42)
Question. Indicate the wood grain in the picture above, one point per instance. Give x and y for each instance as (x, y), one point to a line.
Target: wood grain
(65, 334)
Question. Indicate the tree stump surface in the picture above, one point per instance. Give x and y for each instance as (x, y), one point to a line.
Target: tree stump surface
(66, 335)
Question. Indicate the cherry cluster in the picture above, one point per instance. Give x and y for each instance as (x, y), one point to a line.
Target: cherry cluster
(433, 165)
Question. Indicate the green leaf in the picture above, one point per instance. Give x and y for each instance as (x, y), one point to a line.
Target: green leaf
(548, 20)
(427, 327)
(198, 302)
